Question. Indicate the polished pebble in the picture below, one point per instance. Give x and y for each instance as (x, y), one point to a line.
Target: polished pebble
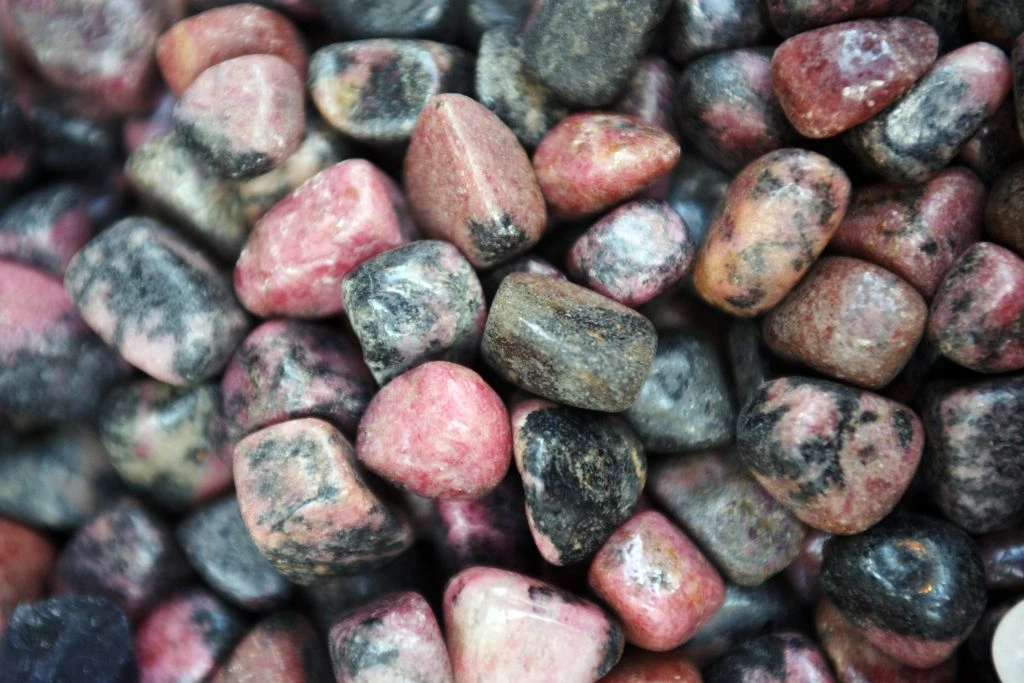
(698, 27)
(790, 17)
(1004, 210)
(45, 227)
(773, 658)
(283, 648)
(26, 559)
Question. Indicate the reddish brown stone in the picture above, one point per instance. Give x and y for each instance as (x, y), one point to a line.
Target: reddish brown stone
(283, 648)
(26, 558)
(640, 666)
(1004, 211)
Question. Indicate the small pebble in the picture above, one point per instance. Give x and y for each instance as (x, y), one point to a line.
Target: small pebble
(790, 17)
(44, 228)
(26, 559)
(370, 19)
(283, 648)
(1003, 555)
(773, 658)
(697, 27)
(1004, 210)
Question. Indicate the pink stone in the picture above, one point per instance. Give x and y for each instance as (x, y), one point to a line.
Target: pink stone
(283, 648)
(657, 582)
(504, 626)
(438, 431)
(640, 666)
(26, 558)
(830, 79)
(469, 181)
(1008, 644)
(392, 639)
(594, 160)
(301, 250)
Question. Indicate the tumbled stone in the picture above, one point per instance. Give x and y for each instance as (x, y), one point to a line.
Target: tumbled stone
(1004, 210)
(306, 506)
(641, 666)
(372, 19)
(159, 300)
(840, 459)
(414, 304)
(649, 94)
(696, 188)
(996, 21)
(286, 369)
(567, 343)
(186, 638)
(772, 658)
(506, 626)
(353, 84)
(582, 473)
(528, 263)
(469, 181)
(594, 160)
(790, 17)
(916, 232)
(70, 638)
(978, 310)
(45, 228)
(830, 79)
(394, 638)
(1003, 555)
(776, 218)
(1006, 643)
(727, 109)
(804, 574)
(438, 431)
(217, 35)
(915, 138)
(697, 27)
(26, 558)
(913, 586)
(124, 553)
(656, 581)
(284, 648)
(996, 144)
(975, 464)
(744, 531)
(52, 367)
(849, 319)
(684, 403)
(300, 251)
(218, 546)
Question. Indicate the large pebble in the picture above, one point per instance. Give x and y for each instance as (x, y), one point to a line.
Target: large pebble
(283, 648)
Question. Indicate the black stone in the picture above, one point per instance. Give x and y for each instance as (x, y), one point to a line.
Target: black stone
(764, 656)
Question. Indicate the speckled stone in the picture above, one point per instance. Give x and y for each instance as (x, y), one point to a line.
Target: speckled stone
(470, 182)
(218, 546)
(1004, 210)
(978, 311)
(697, 185)
(915, 138)
(790, 17)
(996, 21)
(649, 94)
(727, 109)
(352, 84)
(743, 530)
(373, 19)
(776, 218)
(1006, 644)
(882, 319)
(504, 626)
(44, 228)
(126, 554)
(830, 79)
(840, 459)
(995, 146)
(395, 638)
(1003, 555)
(975, 463)
(772, 658)
(582, 473)
(684, 404)
(656, 581)
(306, 506)
(160, 301)
(414, 304)
(528, 263)
(697, 27)
(914, 586)
(641, 666)
(567, 343)
(26, 558)
(918, 231)
(284, 648)
(592, 161)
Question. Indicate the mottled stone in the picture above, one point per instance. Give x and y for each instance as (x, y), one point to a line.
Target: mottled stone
(218, 546)
(1006, 644)
(727, 109)
(469, 181)
(307, 507)
(915, 138)
(594, 160)
(1004, 210)
(838, 458)
(640, 666)
(26, 558)
(374, 90)
(284, 648)
(918, 231)
(849, 319)
(300, 251)
(830, 79)
(804, 574)
(697, 27)
(913, 586)
(45, 227)
(772, 658)
(505, 626)
(684, 404)
(159, 300)
(649, 94)
(776, 218)
(528, 263)
(995, 146)
(401, 19)
(1003, 555)
(996, 21)
(790, 17)
(977, 315)
(696, 189)
(124, 553)
(568, 344)
(414, 304)
(71, 638)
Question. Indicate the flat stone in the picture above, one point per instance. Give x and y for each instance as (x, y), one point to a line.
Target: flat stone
(698, 27)
(790, 17)
(26, 559)
(780, 656)
(284, 648)
(1004, 210)
(371, 19)
(44, 228)
(996, 145)
(838, 458)
(776, 218)
(506, 626)
(996, 21)
(1006, 644)
(641, 666)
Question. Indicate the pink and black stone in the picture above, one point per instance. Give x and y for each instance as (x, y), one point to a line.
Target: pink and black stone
(790, 17)
(46, 227)
(582, 473)
(772, 658)
(158, 299)
(414, 304)
(126, 554)
(975, 463)
(288, 369)
(392, 639)
(697, 27)
(914, 586)
(839, 458)
(504, 626)
(284, 648)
